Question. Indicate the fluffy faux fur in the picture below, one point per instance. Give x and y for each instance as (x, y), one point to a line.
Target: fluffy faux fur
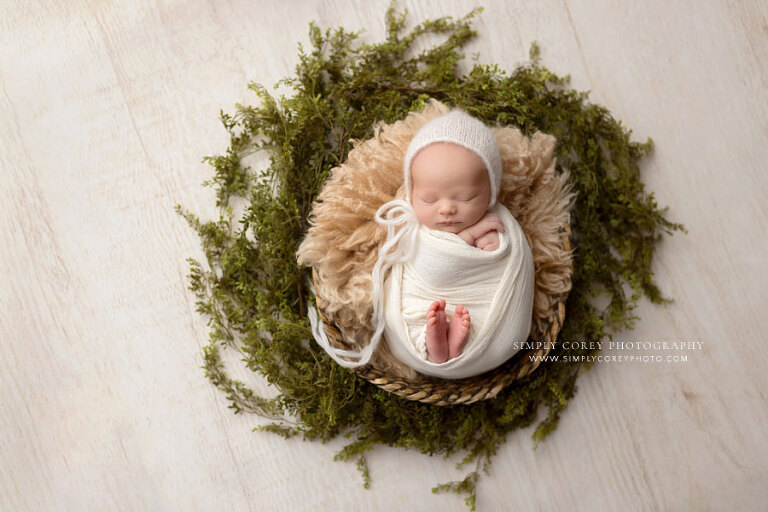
(343, 239)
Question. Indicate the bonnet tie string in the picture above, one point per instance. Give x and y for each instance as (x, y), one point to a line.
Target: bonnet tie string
(398, 248)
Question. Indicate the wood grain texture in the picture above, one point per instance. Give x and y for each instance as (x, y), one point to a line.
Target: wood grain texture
(105, 113)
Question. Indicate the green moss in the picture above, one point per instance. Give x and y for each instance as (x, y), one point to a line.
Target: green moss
(255, 295)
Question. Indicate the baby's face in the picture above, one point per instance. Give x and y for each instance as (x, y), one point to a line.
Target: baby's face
(450, 190)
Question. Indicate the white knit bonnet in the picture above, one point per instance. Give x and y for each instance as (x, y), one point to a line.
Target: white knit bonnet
(459, 128)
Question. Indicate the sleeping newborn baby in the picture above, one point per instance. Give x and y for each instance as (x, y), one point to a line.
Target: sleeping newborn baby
(450, 192)
(451, 250)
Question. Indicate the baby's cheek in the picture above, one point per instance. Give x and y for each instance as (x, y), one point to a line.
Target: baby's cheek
(423, 214)
(477, 213)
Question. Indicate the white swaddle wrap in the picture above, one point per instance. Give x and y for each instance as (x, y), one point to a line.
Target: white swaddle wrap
(496, 287)
(425, 265)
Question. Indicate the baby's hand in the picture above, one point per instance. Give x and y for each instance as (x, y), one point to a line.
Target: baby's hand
(490, 222)
(488, 242)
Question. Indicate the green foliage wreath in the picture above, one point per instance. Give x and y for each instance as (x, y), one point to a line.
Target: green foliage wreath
(255, 295)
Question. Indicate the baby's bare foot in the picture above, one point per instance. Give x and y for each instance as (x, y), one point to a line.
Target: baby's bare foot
(458, 331)
(437, 326)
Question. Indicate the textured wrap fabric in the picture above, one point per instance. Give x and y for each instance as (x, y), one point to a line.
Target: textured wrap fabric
(417, 266)
(496, 287)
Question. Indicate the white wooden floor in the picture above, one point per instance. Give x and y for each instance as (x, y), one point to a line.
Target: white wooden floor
(106, 109)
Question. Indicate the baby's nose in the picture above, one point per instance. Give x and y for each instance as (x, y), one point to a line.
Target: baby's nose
(447, 207)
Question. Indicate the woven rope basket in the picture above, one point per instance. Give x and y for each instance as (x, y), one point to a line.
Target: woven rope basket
(437, 391)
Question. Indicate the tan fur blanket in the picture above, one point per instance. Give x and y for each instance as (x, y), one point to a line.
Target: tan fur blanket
(343, 239)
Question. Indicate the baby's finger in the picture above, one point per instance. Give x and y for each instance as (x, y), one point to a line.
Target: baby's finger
(498, 225)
